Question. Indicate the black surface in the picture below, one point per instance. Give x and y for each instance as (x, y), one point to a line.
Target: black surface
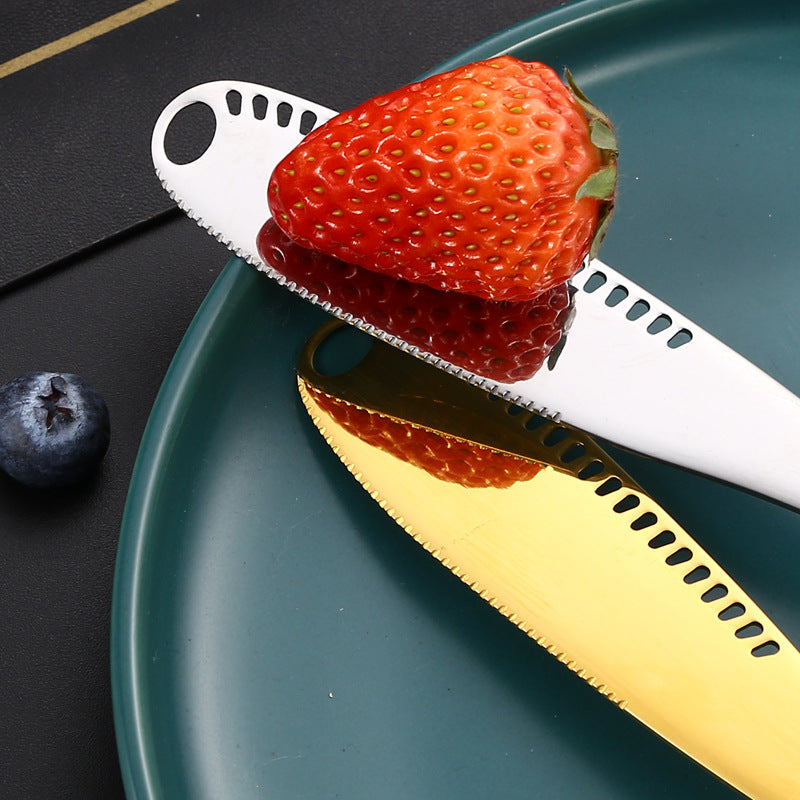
(115, 283)
(75, 162)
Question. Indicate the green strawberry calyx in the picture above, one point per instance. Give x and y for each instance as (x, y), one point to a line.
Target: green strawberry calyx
(602, 184)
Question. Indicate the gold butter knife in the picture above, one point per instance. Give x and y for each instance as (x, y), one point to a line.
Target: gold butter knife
(546, 527)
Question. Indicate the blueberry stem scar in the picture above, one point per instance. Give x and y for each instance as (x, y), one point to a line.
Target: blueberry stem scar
(50, 404)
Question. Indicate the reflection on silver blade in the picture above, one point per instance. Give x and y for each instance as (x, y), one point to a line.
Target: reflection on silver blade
(630, 369)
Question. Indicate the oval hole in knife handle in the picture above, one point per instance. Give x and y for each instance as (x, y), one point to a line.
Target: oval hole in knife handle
(637, 614)
(190, 133)
(341, 351)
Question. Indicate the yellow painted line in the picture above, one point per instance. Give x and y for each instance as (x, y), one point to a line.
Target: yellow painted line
(83, 35)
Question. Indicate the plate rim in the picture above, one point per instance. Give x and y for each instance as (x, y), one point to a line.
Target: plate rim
(151, 461)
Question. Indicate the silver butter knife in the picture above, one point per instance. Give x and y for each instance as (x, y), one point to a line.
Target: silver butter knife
(629, 368)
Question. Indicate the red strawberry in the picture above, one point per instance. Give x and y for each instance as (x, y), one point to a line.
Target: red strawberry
(506, 342)
(447, 458)
(492, 179)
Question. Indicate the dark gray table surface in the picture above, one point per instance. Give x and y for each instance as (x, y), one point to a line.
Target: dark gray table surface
(100, 276)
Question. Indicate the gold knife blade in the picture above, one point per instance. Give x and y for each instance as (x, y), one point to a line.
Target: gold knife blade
(537, 519)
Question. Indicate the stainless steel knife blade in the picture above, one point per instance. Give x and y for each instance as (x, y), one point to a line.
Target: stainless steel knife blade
(537, 519)
(630, 369)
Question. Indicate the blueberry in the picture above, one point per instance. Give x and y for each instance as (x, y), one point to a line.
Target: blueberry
(54, 429)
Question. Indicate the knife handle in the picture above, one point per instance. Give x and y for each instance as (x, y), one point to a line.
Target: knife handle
(224, 189)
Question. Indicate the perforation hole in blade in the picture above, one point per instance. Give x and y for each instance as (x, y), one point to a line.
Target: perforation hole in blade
(680, 556)
(646, 520)
(284, 114)
(616, 296)
(733, 611)
(769, 648)
(716, 592)
(659, 324)
(555, 437)
(662, 539)
(593, 469)
(308, 121)
(637, 310)
(696, 575)
(608, 486)
(535, 422)
(679, 339)
(575, 451)
(260, 104)
(233, 99)
(627, 503)
(594, 282)
(750, 630)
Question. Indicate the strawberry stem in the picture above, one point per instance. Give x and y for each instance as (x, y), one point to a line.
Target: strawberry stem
(603, 136)
(603, 183)
(584, 102)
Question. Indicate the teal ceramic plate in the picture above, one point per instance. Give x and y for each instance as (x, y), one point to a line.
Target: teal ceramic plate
(276, 635)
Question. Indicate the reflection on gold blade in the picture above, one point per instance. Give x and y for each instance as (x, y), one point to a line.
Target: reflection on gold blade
(446, 458)
(583, 561)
